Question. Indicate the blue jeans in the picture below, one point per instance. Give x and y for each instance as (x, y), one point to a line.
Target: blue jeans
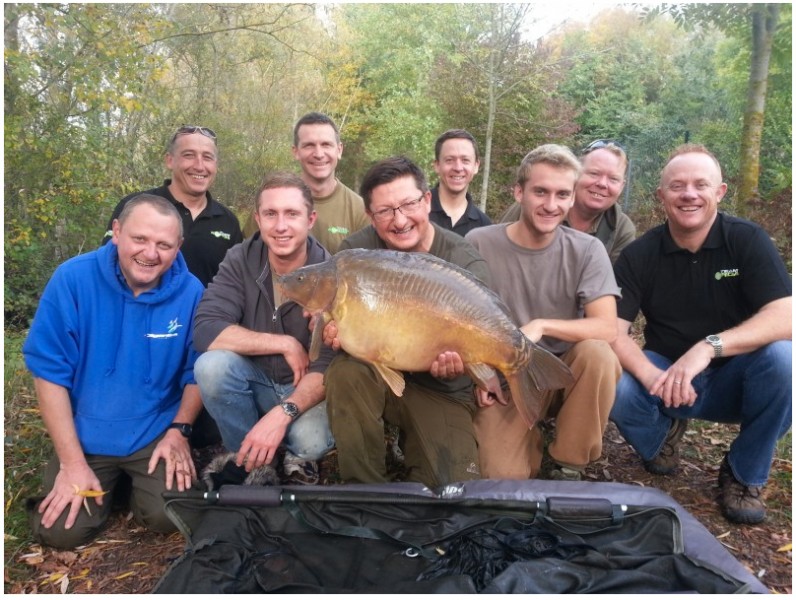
(237, 393)
(751, 389)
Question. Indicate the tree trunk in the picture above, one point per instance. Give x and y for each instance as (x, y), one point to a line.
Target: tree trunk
(764, 24)
(487, 158)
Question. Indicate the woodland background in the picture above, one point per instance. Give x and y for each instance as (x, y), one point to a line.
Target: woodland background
(93, 92)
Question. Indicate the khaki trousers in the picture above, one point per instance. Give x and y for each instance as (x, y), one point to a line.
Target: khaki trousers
(146, 500)
(437, 431)
(509, 450)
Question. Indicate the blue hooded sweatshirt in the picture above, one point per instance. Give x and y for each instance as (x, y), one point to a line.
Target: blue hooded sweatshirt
(124, 360)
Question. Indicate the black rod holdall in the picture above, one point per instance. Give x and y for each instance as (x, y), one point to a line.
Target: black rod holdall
(475, 537)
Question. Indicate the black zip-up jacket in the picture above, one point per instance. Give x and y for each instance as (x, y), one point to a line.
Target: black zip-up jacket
(242, 294)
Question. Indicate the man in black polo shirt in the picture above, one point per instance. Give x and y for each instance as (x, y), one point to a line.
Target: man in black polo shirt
(717, 301)
(210, 228)
(456, 163)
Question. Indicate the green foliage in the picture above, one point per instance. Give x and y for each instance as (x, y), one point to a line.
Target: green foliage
(27, 449)
(93, 91)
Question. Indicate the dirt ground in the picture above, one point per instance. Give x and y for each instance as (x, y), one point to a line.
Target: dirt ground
(129, 559)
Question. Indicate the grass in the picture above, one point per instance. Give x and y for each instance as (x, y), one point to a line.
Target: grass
(26, 449)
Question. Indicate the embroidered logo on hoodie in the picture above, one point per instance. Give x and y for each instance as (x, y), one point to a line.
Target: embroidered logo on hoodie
(174, 325)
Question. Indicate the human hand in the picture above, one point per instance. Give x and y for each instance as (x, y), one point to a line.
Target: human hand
(674, 385)
(533, 330)
(175, 451)
(261, 443)
(330, 333)
(66, 493)
(296, 357)
(493, 394)
(447, 366)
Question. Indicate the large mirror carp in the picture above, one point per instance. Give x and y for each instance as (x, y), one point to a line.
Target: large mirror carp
(398, 311)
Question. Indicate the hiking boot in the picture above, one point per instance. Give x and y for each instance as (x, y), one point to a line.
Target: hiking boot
(300, 471)
(668, 458)
(739, 503)
(560, 473)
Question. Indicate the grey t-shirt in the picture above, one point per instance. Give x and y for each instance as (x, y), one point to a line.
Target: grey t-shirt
(552, 283)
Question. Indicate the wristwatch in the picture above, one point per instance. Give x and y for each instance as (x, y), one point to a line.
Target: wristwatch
(184, 428)
(291, 410)
(718, 347)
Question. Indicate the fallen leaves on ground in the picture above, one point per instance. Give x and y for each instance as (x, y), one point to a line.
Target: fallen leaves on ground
(128, 559)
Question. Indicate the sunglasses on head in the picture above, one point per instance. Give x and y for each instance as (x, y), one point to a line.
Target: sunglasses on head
(597, 144)
(189, 129)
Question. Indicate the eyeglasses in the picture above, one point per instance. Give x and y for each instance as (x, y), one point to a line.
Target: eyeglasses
(597, 144)
(189, 129)
(407, 208)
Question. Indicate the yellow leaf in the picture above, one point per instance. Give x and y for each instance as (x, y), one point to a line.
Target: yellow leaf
(125, 575)
(90, 493)
(54, 578)
(786, 548)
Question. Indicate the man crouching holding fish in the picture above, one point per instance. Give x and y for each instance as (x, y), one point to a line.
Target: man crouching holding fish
(435, 412)
(255, 375)
(560, 288)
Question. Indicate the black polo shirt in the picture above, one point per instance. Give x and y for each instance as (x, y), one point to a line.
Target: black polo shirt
(207, 239)
(686, 296)
(473, 217)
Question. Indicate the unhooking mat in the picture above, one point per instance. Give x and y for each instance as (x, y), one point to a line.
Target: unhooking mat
(474, 537)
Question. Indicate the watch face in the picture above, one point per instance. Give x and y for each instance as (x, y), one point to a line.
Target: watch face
(183, 428)
(290, 409)
(713, 339)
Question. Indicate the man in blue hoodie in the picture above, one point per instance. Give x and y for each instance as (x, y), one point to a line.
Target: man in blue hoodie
(110, 349)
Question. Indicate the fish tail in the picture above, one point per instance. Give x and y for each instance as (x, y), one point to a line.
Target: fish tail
(548, 371)
(528, 385)
(529, 400)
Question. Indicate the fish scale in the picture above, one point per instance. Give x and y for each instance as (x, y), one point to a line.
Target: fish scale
(398, 311)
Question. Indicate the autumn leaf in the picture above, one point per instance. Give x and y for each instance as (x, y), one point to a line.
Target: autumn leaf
(785, 548)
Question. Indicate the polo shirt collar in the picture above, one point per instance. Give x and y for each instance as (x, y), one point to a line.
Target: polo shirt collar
(213, 208)
(715, 238)
(436, 205)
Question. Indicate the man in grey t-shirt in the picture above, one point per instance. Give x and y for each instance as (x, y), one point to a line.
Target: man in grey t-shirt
(559, 285)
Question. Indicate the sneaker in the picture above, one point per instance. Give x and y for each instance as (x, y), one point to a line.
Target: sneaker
(668, 458)
(560, 473)
(739, 503)
(300, 471)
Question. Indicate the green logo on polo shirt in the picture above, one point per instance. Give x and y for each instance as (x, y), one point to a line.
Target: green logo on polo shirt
(726, 273)
(340, 230)
(220, 234)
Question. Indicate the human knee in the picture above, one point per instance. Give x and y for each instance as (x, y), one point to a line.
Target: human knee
(343, 375)
(57, 536)
(210, 370)
(778, 358)
(310, 437)
(629, 394)
(596, 355)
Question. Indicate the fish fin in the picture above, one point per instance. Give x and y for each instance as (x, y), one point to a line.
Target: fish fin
(548, 371)
(481, 374)
(321, 320)
(529, 386)
(531, 402)
(394, 379)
